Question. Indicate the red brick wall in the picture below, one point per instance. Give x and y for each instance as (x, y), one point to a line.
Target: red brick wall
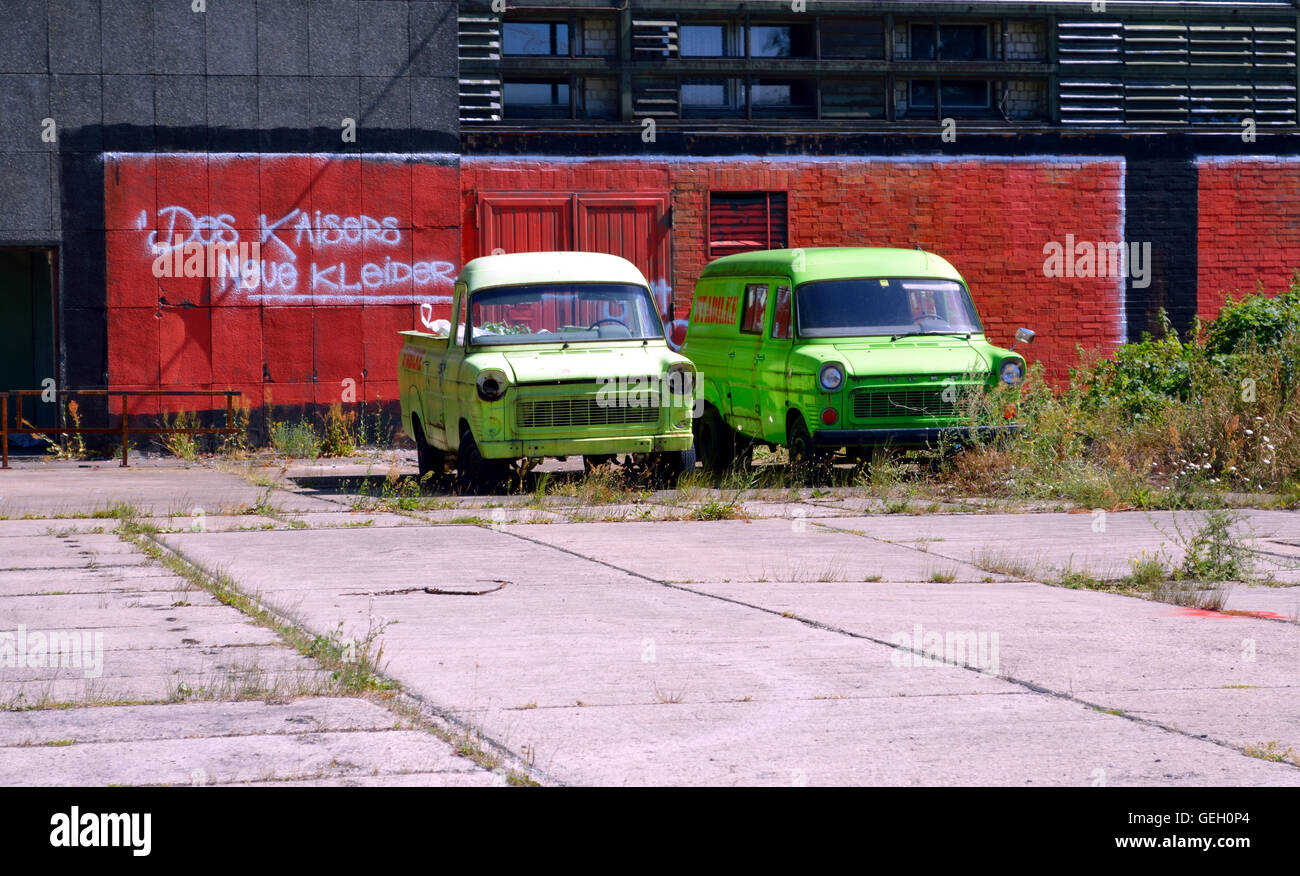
(297, 333)
(1248, 228)
(305, 325)
(989, 217)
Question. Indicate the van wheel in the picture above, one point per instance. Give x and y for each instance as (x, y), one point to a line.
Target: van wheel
(805, 458)
(715, 443)
(670, 466)
(432, 462)
(476, 474)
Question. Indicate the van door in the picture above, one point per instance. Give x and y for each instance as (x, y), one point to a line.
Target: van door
(747, 355)
(448, 381)
(774, 368)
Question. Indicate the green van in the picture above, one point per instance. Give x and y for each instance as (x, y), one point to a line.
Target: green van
(828, 348)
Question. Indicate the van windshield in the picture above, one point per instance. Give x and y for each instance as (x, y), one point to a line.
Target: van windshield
(898, 307)
(563, 313)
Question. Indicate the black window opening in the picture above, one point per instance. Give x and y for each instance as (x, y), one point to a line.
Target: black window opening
(713, 97)
(747, 221)
(537, 99)
(781, 40)
(957, 42)
(535, 38)
(959, 96)
(853, 38)
(787, 98)
(855, 98)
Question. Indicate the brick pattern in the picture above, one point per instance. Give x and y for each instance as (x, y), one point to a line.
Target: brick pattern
(1026, 41)
(990, 217)
(1247, 232)
(600, 36)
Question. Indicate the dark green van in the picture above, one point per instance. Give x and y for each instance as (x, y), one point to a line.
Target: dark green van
(829, 348)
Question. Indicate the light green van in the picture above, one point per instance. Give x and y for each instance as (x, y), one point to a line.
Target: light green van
(547, 354)
(854, 348)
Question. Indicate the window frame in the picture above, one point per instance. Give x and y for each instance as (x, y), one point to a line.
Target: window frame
(938, 40)
(748, 324)
(554, 24)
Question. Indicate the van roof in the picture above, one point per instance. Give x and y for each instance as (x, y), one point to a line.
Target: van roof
(514, 269)
(834, 262)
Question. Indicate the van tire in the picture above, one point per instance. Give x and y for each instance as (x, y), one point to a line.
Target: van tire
(715, 442)
(430, 460)
(805, 458)
(475, 474)
(671, 465)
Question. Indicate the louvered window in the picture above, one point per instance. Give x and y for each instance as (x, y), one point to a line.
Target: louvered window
(744, 221)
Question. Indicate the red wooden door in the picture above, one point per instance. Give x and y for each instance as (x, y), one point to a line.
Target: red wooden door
(631, 225)
(524, 222)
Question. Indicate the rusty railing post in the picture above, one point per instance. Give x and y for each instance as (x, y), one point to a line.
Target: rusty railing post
(124, 444)
(4, 429)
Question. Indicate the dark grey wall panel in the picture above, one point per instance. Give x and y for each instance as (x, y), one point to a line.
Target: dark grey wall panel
(382, 44)
(232, 37)
(433, 25)
(333, 99)
(25, 193)
(179, 37)
(127, 36)
(128, 111)
(76, 103)
(23, 46)
(232, 102)
(332, 29)
(75, 41)
(282, 37)
(24, 103)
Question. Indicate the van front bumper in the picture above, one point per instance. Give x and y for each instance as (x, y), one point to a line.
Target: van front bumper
(909, 437)
(661, 443)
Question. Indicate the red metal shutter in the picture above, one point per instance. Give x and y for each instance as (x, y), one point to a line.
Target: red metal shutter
(745, 221)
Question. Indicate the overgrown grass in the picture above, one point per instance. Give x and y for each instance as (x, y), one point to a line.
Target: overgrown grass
(295, 440)
(1167, 422)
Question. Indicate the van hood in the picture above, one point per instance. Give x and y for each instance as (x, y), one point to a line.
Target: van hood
(588, 363)
(930, 355)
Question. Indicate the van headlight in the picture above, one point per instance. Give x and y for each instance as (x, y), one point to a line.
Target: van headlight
(1013, 372)
(831, 377)
(680, 379)
(491, 384)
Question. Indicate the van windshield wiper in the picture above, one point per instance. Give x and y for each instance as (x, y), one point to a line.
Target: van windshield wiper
(965, 335)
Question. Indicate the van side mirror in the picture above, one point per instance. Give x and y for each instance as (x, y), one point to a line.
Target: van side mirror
(1023, 336)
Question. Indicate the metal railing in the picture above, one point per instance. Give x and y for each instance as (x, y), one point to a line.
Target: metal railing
(124, 429)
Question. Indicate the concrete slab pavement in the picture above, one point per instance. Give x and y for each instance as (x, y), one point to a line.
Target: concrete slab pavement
(128, 674)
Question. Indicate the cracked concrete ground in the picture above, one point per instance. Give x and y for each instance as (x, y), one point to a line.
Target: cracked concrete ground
(785, 648)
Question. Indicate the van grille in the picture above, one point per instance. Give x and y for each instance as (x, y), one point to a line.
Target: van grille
(555, 413)
(876, 404)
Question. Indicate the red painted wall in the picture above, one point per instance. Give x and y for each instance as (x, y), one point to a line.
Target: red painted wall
(1248, 228)
(323, 311)
(989, 217)
(350, 250)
